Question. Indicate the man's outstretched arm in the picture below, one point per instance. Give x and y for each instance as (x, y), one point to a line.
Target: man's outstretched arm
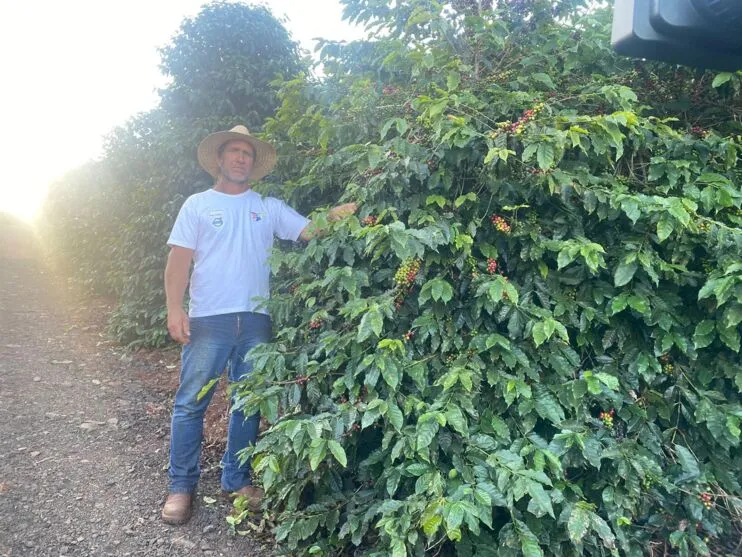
(335, 214)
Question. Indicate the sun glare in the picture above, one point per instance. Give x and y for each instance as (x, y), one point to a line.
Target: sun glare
(85, 73)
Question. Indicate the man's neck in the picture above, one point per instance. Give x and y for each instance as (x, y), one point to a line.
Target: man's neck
(224, 185)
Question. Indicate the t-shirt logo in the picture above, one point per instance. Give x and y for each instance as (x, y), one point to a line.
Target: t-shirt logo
(217, 219)
(256, 217)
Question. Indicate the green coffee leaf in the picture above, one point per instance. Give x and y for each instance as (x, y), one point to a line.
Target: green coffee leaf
(665, 227)
(431, 523)
(437, 200)
(603, 530)
(338, 452)
(371, 323)
(441, 290)
(688, 462)
(394, 415)
(317, 453)
(730, 336)
(538, 333)
(452, 80)
(456, 420)
(545, 156)
(425, 433)
(721, 79)
(578, 524)
(206, 388)
(528, 541)
(540, 503)
(704, 334)
(547, 406)
(608, 380)
(625, 272)
(455, 516)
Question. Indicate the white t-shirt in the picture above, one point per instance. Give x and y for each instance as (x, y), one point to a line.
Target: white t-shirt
(232, 237)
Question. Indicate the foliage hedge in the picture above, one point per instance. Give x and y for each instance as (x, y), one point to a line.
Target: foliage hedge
(528, 339)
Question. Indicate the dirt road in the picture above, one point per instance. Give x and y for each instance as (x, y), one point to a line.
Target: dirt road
(84, 429)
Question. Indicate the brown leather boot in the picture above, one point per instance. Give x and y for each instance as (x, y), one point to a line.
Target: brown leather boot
(177, 508)
(253, 496)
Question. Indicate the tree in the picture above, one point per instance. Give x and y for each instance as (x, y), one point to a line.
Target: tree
(528, 340)
(222, 62)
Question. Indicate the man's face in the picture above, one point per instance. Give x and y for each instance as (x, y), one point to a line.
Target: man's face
(236, 160)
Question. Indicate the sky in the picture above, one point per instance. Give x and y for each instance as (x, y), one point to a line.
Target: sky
(75, 69)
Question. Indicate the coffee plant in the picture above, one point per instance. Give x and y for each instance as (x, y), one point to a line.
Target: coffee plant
(527, 341)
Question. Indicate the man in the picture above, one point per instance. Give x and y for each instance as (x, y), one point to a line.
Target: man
(227, 232)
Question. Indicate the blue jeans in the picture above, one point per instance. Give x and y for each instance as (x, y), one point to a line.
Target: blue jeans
(216, 341)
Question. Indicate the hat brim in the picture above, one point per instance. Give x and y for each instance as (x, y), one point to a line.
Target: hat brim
(208, 153)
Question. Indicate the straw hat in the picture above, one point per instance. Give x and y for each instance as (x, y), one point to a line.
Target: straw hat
(208, 152)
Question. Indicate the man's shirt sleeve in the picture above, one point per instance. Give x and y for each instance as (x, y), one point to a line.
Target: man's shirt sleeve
(287, 223)
(185, 229)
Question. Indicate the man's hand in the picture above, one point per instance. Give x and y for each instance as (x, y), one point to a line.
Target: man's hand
(176, 280)
(333, 215)
(341, 211)
(178, 325)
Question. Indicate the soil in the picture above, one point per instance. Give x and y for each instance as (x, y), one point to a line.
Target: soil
(84, 429)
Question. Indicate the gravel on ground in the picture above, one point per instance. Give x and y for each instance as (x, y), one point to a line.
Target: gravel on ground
(84, 428)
